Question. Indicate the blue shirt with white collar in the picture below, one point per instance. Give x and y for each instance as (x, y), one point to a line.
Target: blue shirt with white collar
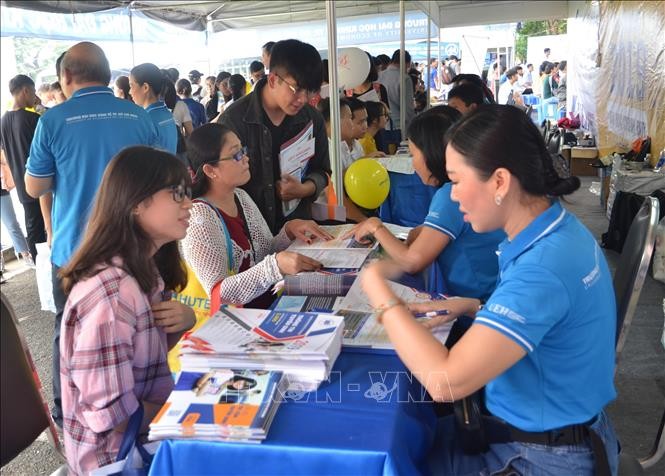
(554, 299)
(167, 131)
(468, 263)
(73, 143)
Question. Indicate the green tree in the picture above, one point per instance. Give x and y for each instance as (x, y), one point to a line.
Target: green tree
(536, 28)
(35, 57)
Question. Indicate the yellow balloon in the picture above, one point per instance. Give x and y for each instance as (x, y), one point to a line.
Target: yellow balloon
(367, 183)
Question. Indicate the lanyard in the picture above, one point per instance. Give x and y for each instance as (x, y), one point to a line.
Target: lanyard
(227, 236)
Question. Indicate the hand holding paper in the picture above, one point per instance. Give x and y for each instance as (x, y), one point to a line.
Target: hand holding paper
(305, 230)
(290, 187)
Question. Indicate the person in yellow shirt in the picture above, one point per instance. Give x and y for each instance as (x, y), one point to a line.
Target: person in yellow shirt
(377, 117)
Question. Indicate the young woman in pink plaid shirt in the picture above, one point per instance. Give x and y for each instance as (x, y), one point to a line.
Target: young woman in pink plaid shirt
(119, 321)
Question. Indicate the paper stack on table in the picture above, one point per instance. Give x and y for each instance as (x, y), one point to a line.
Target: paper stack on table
(220, 405)
(335, 253)
(361, 329)
(302, 345)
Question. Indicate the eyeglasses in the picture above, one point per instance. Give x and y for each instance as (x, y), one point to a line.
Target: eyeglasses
(296, 90)
(238, 156)
(179, 192)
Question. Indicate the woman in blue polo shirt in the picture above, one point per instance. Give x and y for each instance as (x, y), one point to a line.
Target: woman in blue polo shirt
(543, 344)
(467, 259)
(145, 86)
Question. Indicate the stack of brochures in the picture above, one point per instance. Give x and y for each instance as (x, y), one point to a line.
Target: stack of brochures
(302, 345)
(336, 253)
(220, 405)
(361, 329)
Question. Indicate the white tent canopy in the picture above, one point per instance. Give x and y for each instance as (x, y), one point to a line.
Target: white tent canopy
(223, 15)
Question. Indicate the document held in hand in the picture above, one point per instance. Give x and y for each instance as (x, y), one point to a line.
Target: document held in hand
(293, 158)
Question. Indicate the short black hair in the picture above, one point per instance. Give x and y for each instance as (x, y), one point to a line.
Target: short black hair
(255, 66)
(373, 74)
(222, 76)
(427, 132)
(563, 65)
(546, 50)
(375, 110)
(530, 64)
(383, 59)
(58, 62)
(18, 82)
(511, 72)
(448, 112)
(299, 60)
(268, 46)
(395, 57)
(355, 104)
(453, 57)
(468, 93)
(324, 107)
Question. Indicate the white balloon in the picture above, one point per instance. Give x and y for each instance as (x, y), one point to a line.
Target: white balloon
(352, 67)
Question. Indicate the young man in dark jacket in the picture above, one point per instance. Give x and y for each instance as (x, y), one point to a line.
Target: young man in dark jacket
(270, 119)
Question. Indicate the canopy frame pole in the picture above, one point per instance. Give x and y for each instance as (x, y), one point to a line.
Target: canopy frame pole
(402, 70)
(131, 32)
(335, 137)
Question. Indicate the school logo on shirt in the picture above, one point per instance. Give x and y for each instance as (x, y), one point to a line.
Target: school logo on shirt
(506, 312)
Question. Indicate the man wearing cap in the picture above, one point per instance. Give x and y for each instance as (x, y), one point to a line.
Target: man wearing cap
(195, 79)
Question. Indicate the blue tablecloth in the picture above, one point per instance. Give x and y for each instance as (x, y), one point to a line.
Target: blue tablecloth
(369, 419)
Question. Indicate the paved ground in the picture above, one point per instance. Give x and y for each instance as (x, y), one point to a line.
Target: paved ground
(640, 376)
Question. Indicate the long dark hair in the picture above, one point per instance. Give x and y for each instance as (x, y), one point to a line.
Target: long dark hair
(203, 147)
(495, 136)
(134, 175)
(427, 132)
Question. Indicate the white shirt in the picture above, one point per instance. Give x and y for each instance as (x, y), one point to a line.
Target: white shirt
(504, 91)
(349, 156)
(181, 113)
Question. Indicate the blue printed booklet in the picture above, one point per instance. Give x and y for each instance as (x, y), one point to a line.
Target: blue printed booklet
(220, 404)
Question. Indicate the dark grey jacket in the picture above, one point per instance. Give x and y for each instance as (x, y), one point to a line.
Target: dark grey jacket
(245, 117)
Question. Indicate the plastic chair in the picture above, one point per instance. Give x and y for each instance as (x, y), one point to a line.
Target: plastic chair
(548, 109)
(632, 267)
(24, 411)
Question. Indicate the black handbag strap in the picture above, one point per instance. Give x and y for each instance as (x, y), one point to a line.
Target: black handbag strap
(131, 433)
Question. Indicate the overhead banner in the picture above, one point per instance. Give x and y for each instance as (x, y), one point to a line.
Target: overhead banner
(630, 89)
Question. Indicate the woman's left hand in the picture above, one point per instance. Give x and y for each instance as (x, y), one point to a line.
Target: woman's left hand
(304, 230)
(173, 316)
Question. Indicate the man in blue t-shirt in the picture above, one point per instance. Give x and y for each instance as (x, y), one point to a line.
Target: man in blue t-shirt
(73, 143)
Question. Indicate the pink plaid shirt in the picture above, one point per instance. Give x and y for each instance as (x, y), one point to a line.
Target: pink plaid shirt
(112, 355)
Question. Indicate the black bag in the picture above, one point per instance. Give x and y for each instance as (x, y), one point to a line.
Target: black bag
(469, 424)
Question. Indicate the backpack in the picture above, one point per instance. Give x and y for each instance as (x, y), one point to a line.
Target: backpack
(447, 74)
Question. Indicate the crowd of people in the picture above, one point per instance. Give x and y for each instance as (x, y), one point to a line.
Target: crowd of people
(144, 186)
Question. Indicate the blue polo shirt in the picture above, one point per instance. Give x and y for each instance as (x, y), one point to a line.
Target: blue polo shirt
(167, 132)
(469, 263)
(73, 143)
(555, 300)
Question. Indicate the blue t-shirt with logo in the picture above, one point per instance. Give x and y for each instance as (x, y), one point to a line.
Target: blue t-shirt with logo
(167, 131)
(554, 299)
(469, 262)
(73, 143)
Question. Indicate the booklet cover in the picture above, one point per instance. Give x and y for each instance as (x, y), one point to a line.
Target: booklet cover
(220, 403)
